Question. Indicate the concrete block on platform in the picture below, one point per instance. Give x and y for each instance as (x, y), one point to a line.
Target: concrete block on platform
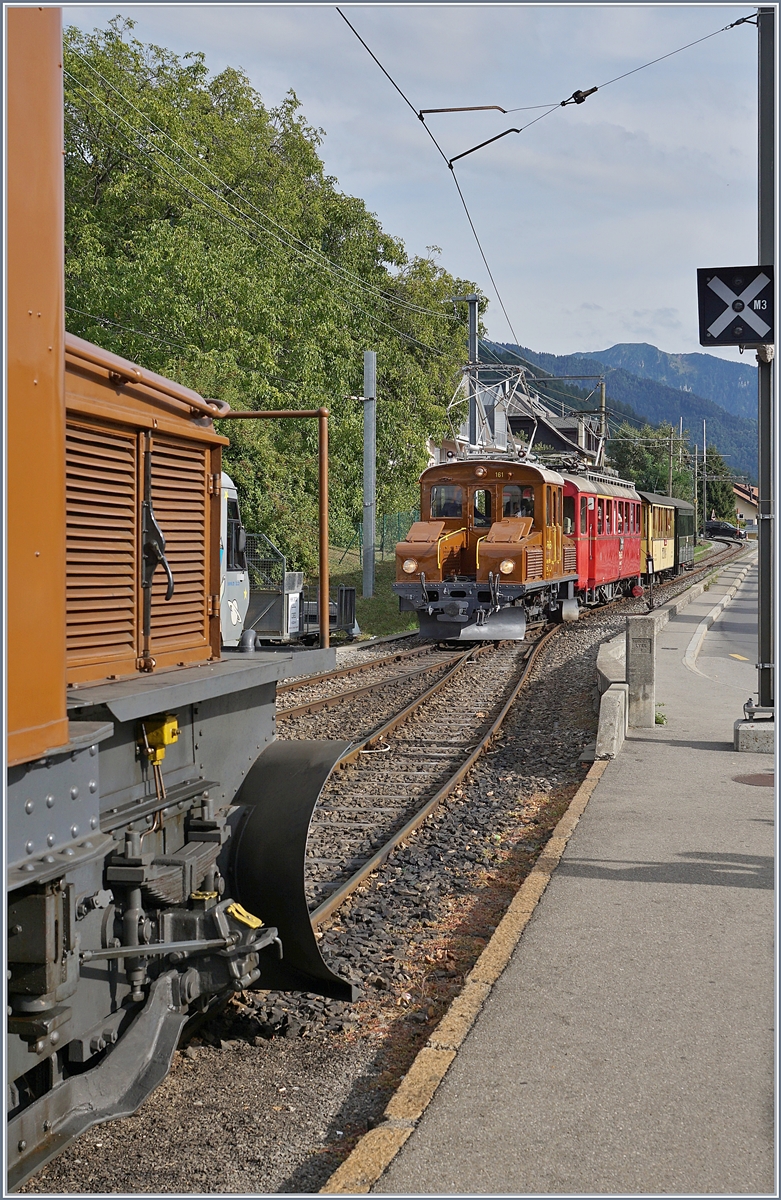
(755, 737)
(611, 664)
(613, 721)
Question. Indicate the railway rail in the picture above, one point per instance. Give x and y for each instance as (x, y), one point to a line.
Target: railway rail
(429, 751)
(389, 670)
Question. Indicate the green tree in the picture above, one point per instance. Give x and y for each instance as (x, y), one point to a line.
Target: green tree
(205, 241)
(645, 456)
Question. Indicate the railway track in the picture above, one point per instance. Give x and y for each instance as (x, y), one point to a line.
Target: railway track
(334, 687)
(392, 780)
(280, 1082)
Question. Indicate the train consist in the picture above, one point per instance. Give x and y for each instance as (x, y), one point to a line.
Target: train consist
(155, 829)
(501, 540)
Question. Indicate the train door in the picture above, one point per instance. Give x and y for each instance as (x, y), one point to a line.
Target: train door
(552, 531)
(234, 577)
(480, 517)
(591, 502)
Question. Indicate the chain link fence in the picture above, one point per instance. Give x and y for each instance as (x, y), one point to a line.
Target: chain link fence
(391, 528)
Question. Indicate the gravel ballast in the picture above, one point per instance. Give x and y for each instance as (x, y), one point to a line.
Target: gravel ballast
(272, 1094)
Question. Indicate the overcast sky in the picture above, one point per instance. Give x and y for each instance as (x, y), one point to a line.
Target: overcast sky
(595, 219)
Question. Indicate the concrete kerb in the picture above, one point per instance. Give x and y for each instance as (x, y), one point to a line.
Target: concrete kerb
(611, 663)
(376, 1150)
(698, 637)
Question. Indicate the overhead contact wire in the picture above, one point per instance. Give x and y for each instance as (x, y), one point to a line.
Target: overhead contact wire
(444, 157)
(578, 97)
(223, 216)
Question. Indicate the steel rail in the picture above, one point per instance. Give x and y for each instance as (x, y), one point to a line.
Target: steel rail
(354, 669)
(327, 907)
(354, 753)
(335, 698)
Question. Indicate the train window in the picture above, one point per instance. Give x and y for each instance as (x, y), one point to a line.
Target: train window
(619, 516)
(600, 515)
(517, 501)
(236, 559)
(608, 507)
(569, 514)
(482, 509)
(583, 514)
(447, 500)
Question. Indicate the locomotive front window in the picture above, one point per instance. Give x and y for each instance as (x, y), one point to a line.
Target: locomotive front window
(517, 501)
(583, 514)
(447, 500)
(482, 509)
(569, 514)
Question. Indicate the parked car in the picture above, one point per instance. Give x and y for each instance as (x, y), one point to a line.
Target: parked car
(723, 529)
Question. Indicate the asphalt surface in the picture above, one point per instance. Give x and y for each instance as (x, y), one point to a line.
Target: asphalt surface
(628, 1047)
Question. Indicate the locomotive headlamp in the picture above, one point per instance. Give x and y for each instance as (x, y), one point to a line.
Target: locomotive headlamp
(507, 566)
(409, 566)
(480, 472)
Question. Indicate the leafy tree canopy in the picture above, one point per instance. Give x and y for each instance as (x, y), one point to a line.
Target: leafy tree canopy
(205, 241)
(646, 455)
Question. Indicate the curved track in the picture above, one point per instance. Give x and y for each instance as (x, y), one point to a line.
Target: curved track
(393, 779)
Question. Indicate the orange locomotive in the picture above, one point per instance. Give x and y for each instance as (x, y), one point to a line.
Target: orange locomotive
(501, 540)
(155, 829)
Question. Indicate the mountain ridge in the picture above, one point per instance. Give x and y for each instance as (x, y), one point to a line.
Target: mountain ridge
(731, 385)
(654, 401)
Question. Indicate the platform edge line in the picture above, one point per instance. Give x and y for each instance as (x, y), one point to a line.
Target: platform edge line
(375, 1151)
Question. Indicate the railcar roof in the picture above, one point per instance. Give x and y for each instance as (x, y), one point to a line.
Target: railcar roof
(667, 501)
(459, 466)
(601, 487)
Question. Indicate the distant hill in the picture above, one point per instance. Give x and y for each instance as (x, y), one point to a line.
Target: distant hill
(731, 385)
(645, 398)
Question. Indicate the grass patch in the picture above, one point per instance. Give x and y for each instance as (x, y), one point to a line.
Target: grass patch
(380, 615)
(701, 549)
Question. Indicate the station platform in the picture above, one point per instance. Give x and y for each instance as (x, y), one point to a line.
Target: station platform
(628, 1046)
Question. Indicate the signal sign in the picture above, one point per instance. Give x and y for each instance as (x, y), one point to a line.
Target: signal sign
(736, 306)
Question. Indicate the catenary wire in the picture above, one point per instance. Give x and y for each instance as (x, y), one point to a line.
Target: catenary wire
(579, 97)
(159, 340)
(662, 57)
(444, 157)
(307, 251)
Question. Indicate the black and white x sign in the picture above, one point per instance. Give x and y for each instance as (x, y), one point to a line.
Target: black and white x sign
(736, 306)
